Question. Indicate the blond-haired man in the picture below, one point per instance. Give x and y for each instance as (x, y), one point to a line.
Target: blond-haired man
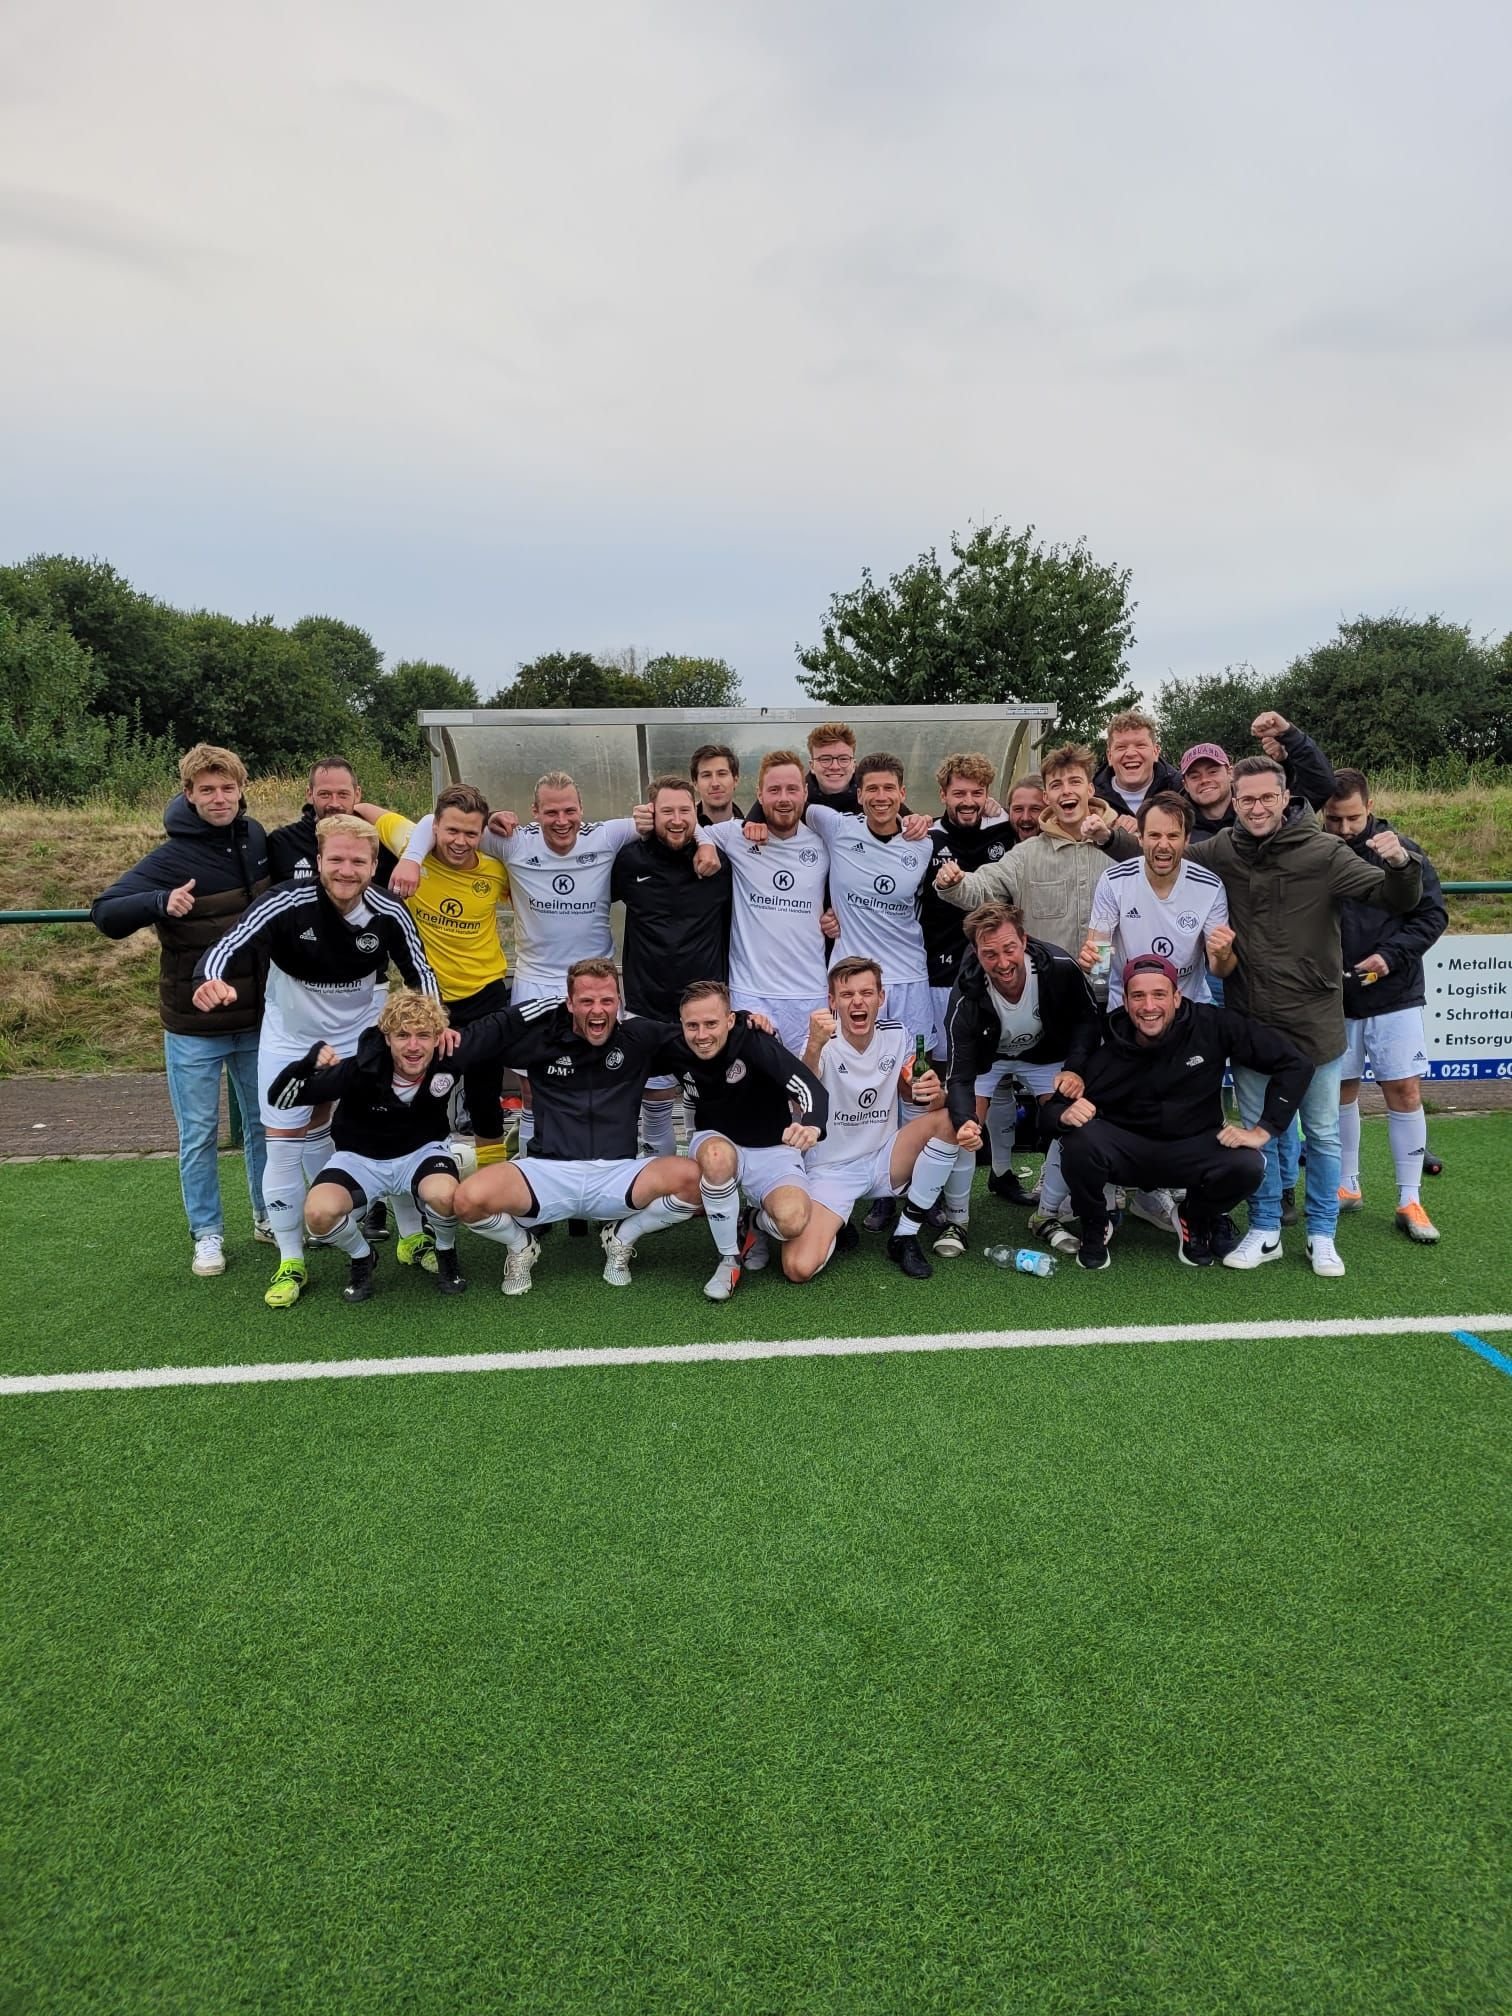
(191, 890)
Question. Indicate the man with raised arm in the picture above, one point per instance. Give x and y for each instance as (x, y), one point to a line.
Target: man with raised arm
(455, 903)
(190, 891)
(1384, 996)
(559, 868)
(777, 949)
(1287, 882)
(756, 1108)
(589, 1070)
(677, 930)
(390, 1131)
(863, 1059)
(1207, 774)
(1149, 1114)
(329, 944)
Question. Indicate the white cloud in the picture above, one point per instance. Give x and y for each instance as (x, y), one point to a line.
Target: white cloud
(753, 292)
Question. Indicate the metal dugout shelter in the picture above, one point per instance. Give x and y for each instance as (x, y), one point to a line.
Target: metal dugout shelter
(612, 753)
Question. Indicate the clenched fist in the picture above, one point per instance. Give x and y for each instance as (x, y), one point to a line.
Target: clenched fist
(1269, 724)
(821, 1026)
(213, 994)
(1389, 848)
(951, 872)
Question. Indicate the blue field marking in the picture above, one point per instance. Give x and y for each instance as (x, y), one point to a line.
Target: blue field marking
(1487, 1351)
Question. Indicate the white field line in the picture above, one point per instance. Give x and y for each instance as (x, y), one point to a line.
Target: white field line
(704, 1354)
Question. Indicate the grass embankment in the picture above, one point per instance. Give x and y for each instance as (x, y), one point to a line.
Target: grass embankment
(71, 1000)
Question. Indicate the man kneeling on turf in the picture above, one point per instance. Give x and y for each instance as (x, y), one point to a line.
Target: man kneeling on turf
(1150, 1111)
(862, 1058)
(389, 1130)
(588, 1071)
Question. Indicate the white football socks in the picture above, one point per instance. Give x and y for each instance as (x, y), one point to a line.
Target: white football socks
(1408, 1133)
(931, 1172)
(346, 1236)
(658, 1125)
(316, 1150)
(284, 1191)
(721, 1203)
(503, 1229)
(656, 1217)
(1349, 1146)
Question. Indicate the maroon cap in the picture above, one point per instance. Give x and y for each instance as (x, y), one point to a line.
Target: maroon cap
(1150, 962)
(1204, 752)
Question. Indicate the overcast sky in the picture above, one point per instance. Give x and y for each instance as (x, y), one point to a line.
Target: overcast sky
(502, 329)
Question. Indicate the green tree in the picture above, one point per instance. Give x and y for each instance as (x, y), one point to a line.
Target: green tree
(258, 691)
(572, 679)
(673, 681)
(50, 744)
(1391, 689)
(138, 645)
(348, 657)
(1008, 620)
(412, 684)
(1217, 707)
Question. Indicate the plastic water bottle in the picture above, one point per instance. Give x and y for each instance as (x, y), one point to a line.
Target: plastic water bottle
(1026, 1260)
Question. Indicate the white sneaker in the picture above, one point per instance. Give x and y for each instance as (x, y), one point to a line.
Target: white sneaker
(1157, 1208)
(262, 1232)
(617, 1258)
(1254, 1249)
(722, 1283)
(952, 1241)
(1324, 1255)
(518, 1266)
(210, 1254)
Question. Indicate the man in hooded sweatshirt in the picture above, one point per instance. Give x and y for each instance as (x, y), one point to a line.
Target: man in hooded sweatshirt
(1051, 877)
(191, 890)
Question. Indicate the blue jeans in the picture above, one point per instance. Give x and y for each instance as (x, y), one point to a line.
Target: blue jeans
(1289, 1148)
(194, 1065)
(1320, 1120)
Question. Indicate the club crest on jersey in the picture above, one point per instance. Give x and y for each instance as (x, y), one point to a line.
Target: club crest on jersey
(481, 888)
(735, 1072)
(563, 884)
(441, 1084)
(586, 860)
(614, 1060)
(1188, 920)
(808, 856)
(995, 851)
(910, 860)
(368, 942)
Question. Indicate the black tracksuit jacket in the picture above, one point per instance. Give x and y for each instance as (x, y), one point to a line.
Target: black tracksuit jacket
(748, 1091)
(1365, 928)
(292, 850)
(1173, 1089)
(307, 937)
(943, 924)
(1068, 1014)
(677, 924)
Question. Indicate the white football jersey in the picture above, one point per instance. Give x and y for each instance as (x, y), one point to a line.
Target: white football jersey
(1019, 1024)
(874, 891)
(776, 946)
(560, 901)
(863, 1094)
(1127, 910)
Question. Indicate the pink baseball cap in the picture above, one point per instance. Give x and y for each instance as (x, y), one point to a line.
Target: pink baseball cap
(1150, 962)
(1204, 752)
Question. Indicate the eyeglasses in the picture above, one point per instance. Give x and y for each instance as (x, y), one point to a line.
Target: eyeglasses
(1261, 798)
(832, 762)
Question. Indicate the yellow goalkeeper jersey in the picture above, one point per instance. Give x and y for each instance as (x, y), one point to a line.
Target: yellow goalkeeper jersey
(457, 913)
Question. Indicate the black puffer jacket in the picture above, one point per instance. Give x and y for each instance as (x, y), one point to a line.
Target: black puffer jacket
(1401, 941)
(229, 868)
(292, 850)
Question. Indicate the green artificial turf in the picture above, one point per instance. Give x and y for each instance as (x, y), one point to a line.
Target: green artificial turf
(1164, 1677)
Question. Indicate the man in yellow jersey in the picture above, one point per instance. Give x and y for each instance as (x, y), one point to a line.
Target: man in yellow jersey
(456, 909)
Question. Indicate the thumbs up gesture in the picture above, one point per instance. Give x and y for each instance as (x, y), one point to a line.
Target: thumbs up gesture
(181, 900)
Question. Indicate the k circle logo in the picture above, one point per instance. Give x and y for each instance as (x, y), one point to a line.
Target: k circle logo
(563, 884)
(450, 906)
(867, 1098)
(1163, 946)
(884, 885)
(782, 879)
